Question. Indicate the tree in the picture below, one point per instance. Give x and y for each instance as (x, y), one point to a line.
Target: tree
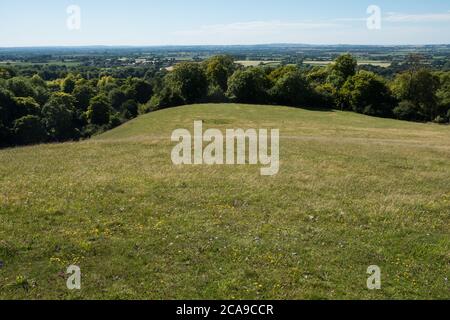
(167, 97)
(68, 84)
(8, 111)
(293, 89)
(280, 72)
(420, 88)
(21, 87)
(58, 117)
(189, 80)
(248, 86)
(443, 94)
(407, 110)
(219, 69)
(41, 92)
(7, 73)
(341, 70)
(367, 93)
(143, 90)
(117, 97)
(83, 94)
(25, 106)
(106, 83)
(129, 109)
(5, 136)
(99, 110)
(29, 130)
(345, 66)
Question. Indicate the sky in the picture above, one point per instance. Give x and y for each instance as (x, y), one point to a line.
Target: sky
(222, 22)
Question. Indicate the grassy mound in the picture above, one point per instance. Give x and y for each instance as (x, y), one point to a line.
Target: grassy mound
(352, 191)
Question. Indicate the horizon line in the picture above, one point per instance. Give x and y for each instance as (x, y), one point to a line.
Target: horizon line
(220, 45)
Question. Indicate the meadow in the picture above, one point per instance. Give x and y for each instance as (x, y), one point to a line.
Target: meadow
(352, 191)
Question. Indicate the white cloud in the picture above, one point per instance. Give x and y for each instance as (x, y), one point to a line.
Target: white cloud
(427, 17)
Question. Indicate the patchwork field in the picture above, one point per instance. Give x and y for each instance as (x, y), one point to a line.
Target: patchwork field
(352, 191)
(383, 64)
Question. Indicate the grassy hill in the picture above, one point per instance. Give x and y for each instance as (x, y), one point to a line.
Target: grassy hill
(352, 191)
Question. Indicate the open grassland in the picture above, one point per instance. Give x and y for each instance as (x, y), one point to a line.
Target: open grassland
(352, 191)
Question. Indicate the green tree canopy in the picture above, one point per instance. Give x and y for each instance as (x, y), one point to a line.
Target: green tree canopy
(99, 110)
(419, 87)
(367, 93)
(248, 86)
(219, 69)
(189, 80)
(293, 89)
(58, 116)
(29, 130)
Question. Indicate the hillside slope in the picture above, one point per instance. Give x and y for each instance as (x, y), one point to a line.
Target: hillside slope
(352, 191)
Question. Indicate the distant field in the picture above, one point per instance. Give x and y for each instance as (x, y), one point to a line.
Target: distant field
(352, 191)
(254, 63)
(383, 64)
(58, 63)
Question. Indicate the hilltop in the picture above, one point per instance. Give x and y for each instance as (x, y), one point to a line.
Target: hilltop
(352, 191)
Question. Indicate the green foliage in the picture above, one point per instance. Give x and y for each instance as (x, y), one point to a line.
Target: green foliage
(21, 87)
(6, 73)
(367, 93)
(143, 90)
(167, 97)
(7, 107)
(189, 81)
(129, 109)
(419, 87)
(291, 88)
(25, 106)
(83, 94)
(443, 94)
(5, 136)
(99, 110)
(407, 110)
(58, 116)
(218, 70)
(216, 94)
(248, 86)
(68, 84)
(279, 73)
(117, 97)
(29, 130)
(106, 83)
(345, 66)
(337, 74)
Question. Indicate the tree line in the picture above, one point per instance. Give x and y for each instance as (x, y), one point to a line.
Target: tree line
(34, 110)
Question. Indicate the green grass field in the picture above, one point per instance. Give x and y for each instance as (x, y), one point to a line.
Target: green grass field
(352, 191)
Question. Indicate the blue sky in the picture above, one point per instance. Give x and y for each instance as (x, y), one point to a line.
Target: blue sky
(179, 22)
